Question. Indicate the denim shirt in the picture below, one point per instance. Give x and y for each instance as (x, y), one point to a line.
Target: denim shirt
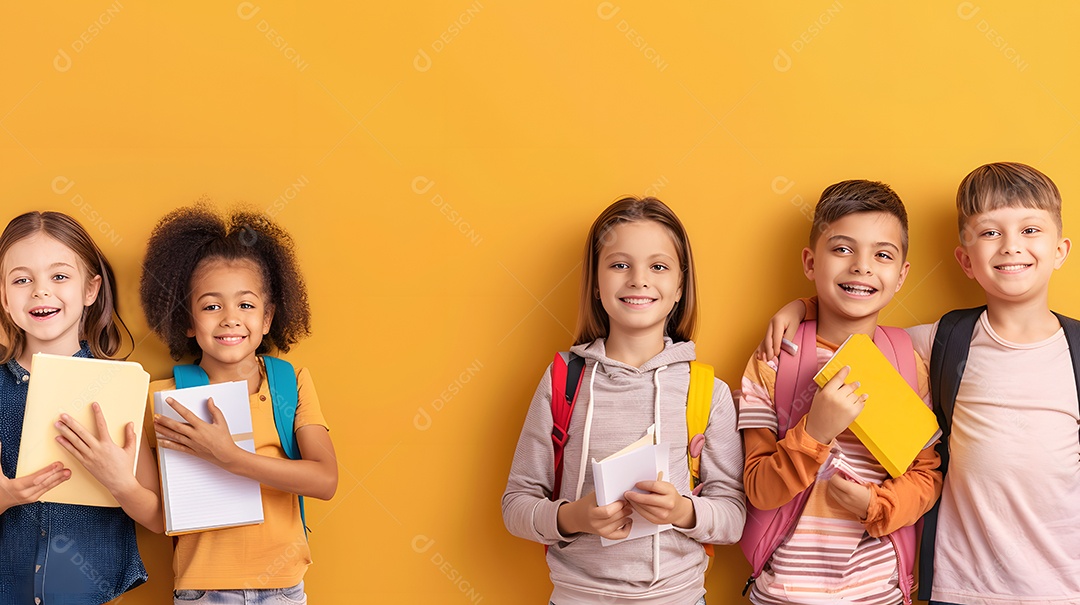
(58, 554)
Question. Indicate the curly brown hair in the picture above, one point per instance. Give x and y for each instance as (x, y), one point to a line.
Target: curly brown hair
(187, 237)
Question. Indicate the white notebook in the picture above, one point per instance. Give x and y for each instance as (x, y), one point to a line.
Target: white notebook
(198, 495)
(617, 474)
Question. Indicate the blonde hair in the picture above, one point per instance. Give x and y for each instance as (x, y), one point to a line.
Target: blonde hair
(1005, 185)
(593, 320)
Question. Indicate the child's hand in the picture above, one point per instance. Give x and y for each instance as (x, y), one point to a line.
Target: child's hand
(835, 406)
(663, 504)
(782, 325)
(210, 441)
(855, 498)
(113, 466)
(24, 490)
(584, 516)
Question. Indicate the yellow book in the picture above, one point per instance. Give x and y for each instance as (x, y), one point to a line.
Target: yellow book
(895, 425)
(61, 384)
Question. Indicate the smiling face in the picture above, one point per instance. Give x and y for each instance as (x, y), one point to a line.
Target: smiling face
(857, 266)
(1012, 252)
(639, 278)
(45, 290)
(230, 312)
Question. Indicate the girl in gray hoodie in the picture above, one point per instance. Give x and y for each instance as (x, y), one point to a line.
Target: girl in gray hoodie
(637, 316)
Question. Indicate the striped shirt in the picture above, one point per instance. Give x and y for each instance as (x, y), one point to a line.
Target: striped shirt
(830, 556)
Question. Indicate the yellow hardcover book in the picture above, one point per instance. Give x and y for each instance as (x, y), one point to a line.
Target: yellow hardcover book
(896, 424)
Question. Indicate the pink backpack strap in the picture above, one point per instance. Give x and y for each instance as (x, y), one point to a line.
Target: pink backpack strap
(765, 530)
(895, 344)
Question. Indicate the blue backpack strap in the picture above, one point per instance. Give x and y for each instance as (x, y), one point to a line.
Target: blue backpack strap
(285, 396)
(187, 376)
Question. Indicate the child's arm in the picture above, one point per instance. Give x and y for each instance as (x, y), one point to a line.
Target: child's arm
(527, 508)
(315, 475)
(24, 490)
(777, 470)
(111, 465)
(897, 502)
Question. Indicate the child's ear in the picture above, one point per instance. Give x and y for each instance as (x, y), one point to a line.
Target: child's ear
(903, 275)
(1062, 252)
(964, 260)
(93, 286)
(268, 318)
(808, 263)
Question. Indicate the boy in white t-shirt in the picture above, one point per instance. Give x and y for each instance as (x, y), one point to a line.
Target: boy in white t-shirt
(1008, 527)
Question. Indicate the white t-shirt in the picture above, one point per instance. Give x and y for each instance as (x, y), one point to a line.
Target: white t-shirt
(1009, 522)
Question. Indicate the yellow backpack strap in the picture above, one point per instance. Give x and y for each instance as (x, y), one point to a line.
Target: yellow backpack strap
(698, 405)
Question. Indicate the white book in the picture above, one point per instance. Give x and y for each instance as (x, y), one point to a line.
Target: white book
(60, 384)
(617, 474)
(198, 495)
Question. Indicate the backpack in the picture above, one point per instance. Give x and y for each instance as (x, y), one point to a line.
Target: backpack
(284, 396)
(948, 357)
(766, 530)
(566, 375)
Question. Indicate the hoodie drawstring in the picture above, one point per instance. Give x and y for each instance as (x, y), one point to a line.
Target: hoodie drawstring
(656, 439)
(585, 450)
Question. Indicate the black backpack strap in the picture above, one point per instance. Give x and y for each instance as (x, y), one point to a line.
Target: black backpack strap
(948, 357)
(1072, 336)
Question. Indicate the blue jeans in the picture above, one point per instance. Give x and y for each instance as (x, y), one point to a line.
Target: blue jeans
(265, 596)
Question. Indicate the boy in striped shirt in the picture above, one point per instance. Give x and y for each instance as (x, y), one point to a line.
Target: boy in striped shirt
(839, 550)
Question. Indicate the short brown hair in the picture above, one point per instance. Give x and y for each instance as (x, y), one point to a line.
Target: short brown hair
(593, 320)
(1006, 185)
(850, 197)
(100, 324)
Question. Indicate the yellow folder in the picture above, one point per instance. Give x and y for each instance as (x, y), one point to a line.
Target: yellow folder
(895, 425)
(60, 384)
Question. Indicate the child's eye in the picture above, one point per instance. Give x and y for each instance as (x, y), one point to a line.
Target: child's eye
(1030, 231)
(60, 277)
(247, 306)
(885, 255)
(842, 250)
(990, 233)
(20, 281)
(659, 267)
(620, 266)
(212, 307)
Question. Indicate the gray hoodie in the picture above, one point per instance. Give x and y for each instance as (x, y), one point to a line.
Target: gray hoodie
(622, 402)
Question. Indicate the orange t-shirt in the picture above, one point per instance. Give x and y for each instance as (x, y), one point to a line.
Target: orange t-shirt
(274, 554)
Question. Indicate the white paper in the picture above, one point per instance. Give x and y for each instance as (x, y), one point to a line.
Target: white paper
(197, 494)
(620, 472)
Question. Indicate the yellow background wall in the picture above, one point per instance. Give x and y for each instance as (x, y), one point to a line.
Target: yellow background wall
(439, 163)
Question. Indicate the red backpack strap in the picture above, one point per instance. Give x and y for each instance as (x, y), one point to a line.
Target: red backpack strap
(566, 374)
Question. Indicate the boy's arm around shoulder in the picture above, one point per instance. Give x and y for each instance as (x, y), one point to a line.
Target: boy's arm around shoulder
(776, 470)
(900, 501)
(527, 509)
(720, 506)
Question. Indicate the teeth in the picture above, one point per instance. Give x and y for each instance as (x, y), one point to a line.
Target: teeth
(858, 289)
(1012, 267)
(231, 338)
(43, 312)
(637, 301)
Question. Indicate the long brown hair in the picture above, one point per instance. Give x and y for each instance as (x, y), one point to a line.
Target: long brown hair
(593, 320)
(100, 324)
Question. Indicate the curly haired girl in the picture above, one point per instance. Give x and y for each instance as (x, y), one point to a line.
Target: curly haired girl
(229, 290)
